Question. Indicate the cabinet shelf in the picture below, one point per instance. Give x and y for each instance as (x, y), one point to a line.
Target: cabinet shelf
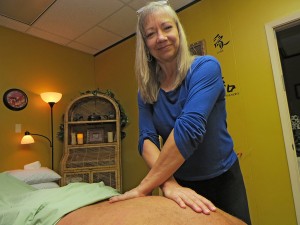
(92, 145)
(98, 158)
(92, 122)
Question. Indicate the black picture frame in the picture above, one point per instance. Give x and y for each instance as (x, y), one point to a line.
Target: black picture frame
(15, 99)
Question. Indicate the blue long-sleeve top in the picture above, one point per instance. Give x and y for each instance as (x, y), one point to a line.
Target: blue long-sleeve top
(197, 113)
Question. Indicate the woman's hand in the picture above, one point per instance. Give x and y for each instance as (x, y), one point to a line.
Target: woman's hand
(187, 197)
(133, 193)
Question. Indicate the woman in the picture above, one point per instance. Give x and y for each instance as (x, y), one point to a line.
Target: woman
(182, 99)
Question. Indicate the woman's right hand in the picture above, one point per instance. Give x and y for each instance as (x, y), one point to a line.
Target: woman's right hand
(133, 193)
(187, 197)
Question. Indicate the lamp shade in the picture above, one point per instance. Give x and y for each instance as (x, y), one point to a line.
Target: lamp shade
(51, 97)
(27, 139)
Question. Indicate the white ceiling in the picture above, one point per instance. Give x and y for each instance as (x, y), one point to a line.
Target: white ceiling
(90, 26)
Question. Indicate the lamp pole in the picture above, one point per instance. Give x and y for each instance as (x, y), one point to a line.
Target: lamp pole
(51, 98)
(51, 104)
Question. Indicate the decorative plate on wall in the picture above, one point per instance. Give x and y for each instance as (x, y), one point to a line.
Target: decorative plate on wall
(15, 99)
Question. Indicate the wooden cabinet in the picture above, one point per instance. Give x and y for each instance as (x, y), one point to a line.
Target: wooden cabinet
(96, 155)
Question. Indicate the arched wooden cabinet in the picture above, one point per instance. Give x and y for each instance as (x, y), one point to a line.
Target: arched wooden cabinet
(92, 141)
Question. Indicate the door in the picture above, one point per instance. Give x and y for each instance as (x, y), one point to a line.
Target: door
(288, 40)
(273, 31)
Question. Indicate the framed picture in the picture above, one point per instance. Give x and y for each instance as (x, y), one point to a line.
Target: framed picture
(198, 48)
(15, 99)
(95, 135)
(297, 90)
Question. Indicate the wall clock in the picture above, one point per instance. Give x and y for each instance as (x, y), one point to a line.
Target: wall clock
(15, 99)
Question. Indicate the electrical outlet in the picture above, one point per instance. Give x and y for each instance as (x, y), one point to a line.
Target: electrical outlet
(18, 128)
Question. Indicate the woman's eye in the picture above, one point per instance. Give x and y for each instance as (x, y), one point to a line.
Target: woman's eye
(149, 35)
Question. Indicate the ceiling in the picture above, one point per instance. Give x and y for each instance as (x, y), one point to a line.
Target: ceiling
(90, 26)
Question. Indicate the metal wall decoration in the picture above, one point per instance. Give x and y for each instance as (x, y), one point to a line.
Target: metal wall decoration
(219, 43)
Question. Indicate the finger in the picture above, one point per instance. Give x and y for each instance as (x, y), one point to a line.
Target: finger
(199, 206)
(205, 205)
(114, 199)
(195, 204)
(195, 200)
(209, 204)
(180, 202)
(118, 198)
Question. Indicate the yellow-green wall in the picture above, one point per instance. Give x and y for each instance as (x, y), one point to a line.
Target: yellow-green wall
(35, 66)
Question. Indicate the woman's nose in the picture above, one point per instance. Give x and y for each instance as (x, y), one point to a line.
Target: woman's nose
(161, 36)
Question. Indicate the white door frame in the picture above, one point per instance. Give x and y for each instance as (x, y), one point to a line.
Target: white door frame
(271, 29)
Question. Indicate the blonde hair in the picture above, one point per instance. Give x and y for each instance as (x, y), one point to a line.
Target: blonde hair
(148, 72)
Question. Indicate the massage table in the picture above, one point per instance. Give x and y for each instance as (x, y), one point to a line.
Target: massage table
(87, 204)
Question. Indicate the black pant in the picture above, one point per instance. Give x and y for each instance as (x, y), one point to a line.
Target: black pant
(226, 191)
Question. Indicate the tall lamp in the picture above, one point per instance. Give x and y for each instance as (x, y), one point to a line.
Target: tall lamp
(51, 98)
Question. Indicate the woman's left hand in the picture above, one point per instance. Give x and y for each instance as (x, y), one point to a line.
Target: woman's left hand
(187, 197)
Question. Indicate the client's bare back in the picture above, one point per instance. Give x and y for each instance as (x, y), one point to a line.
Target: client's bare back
(151, 210)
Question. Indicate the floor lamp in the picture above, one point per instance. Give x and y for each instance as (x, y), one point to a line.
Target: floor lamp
(51, 98)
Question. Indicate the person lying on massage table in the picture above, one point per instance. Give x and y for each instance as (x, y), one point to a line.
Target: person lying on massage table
(149, 210)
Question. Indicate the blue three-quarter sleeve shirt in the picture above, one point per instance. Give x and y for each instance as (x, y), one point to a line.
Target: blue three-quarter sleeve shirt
(197, 113)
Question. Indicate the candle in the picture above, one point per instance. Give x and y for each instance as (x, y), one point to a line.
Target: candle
(110, 137)
(80, 138)
(73, 139)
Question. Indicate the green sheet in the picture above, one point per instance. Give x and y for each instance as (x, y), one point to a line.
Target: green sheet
(20, 204)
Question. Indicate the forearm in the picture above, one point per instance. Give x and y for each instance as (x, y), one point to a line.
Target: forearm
(150, 153)
(163, 165)
(168, 161)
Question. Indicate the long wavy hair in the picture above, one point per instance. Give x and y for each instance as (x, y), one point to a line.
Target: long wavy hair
(147, 70)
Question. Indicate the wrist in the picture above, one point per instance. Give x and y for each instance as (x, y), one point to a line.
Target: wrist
(170, 182)
(144, 188)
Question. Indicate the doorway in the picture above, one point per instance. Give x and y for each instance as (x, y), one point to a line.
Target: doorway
(288, 40)
(277, 32)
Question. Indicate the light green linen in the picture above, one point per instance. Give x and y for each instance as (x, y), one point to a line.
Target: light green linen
(10, 184)
(23, 205)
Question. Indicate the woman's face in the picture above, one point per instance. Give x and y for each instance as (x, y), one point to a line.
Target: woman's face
(161, 37)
